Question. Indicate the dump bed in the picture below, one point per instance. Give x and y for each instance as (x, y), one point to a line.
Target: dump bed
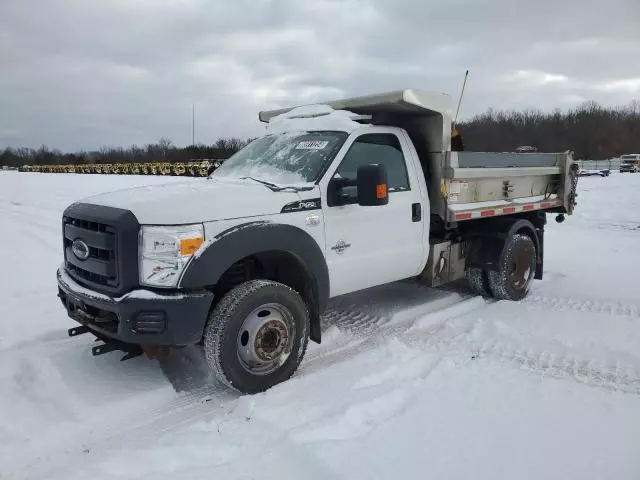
(478, 184)
(466, 185)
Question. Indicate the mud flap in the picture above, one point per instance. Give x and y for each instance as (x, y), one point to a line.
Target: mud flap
(540, 262)
(485, 253)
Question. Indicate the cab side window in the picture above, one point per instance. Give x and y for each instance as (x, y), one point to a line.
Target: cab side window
(375, 148)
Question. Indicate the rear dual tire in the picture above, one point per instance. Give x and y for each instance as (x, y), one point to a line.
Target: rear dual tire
(479, 282)
(516, 270)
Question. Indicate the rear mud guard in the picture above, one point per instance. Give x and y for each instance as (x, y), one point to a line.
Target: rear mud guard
(485, 253)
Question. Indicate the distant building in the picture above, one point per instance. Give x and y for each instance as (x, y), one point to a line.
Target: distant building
(526, 149)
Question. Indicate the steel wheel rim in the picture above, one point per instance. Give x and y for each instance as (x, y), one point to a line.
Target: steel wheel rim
(265, 339)
(521, 269)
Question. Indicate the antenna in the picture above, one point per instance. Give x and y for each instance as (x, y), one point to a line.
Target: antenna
(460, 100)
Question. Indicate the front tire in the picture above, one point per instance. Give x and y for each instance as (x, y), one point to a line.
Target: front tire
(517, 269)
(257, 335)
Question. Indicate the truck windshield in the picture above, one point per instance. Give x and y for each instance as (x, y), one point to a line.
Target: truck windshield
(284, 159)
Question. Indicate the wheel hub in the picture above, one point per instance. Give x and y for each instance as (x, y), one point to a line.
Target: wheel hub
(265, 339)
(521, 267)
(271, 340)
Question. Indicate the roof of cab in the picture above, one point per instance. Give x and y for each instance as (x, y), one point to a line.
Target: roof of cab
(407, 102)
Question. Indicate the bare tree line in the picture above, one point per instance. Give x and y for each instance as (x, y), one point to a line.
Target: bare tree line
(591, 131)
(163, 151)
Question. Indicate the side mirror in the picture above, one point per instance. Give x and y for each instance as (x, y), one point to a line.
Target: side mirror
(335, 195)
(372, 185)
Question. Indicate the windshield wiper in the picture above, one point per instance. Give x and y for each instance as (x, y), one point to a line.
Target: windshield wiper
(272, 186)
(277, 188)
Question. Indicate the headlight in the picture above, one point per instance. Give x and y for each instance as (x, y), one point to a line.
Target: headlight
(165, 252)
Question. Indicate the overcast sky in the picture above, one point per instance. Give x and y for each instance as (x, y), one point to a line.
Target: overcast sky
(80, 74)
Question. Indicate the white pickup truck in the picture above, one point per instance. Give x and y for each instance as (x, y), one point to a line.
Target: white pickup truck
(334, 198)
(630, 163)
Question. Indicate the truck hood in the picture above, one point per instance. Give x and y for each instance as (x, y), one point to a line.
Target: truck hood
(196, 201)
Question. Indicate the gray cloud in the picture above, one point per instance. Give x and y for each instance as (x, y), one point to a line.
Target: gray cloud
(77, 74)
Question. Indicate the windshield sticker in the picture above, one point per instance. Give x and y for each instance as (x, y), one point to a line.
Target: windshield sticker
(312, 145)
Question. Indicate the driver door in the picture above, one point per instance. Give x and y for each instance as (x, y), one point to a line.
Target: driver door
(368, 246)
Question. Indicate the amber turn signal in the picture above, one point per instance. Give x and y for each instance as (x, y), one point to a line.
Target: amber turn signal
(381, 191)
(188, 246)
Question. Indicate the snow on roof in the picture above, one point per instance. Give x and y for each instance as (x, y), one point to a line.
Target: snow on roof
(314, 117)
(407, 101)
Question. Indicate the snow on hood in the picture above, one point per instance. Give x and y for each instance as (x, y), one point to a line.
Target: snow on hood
(196, 201)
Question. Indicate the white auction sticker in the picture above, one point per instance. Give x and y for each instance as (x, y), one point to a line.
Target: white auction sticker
(312, 145)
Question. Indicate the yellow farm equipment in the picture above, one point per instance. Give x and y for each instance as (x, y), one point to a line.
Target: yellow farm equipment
(193, 169)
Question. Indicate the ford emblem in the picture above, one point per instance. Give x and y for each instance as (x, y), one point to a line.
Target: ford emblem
(80, 249)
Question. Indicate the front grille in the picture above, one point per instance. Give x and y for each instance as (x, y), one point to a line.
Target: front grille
(87, 225)
(88, 275)
(101, 266)
(111, 235)
(101, 253)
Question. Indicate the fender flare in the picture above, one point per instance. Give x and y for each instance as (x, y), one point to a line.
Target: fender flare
(252, 238)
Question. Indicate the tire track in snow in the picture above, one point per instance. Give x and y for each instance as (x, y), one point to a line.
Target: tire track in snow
(453, 339)
(139, 427)
(370, 325)
(431, 319)
(364, 313)
(354, 321)
(615, 376)
(581, 305)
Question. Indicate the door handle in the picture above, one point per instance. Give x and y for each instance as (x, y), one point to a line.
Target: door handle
(416, 212)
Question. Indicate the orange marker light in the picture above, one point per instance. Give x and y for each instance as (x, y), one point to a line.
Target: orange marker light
(188, 246)
(381, 191)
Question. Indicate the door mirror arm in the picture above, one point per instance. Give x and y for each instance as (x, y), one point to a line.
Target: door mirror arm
(335, 196)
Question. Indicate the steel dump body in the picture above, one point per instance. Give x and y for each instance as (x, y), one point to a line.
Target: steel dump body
(478, 184)
(466, 185)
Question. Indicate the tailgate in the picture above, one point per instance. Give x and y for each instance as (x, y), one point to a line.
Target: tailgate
(479, 184)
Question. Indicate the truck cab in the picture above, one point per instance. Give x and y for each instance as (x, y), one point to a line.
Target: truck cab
(630, 163)
(333, 199)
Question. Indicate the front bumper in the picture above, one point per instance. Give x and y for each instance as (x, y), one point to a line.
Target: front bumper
(141, 317)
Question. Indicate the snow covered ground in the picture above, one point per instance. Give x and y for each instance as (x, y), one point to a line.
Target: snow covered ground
(408, 383)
